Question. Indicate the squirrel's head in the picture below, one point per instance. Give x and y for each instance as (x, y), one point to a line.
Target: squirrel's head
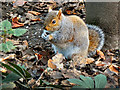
(53, 20)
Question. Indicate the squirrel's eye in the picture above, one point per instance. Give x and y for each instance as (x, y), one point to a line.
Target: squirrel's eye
(53, 22)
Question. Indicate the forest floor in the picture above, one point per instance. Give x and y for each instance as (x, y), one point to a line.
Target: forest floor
(36, 54)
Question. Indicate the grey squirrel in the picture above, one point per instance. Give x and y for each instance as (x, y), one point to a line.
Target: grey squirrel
(70, 36)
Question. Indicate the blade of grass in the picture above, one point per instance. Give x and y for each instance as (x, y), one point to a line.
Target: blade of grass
(18, 68)
(12, 69)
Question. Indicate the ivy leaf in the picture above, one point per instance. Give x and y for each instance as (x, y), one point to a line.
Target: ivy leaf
(88, 82)
(5, 25)
(6, 47)
(5, 86)
(100, 81)
(11, 77)
(19, 32)
(75, 81)
(10, 45)
(11, 32)
(77, 88)
(3, 47)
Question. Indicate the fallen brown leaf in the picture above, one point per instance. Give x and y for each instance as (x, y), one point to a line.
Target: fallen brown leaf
(72, 84)
(38, 19)
(89, 60)
(34, 12)
(19, 3)
(101, 54)
(113, 69)
(31, 82)
(38, 56)
(74, 13)
(110, 54)
(100, 64)
(3, 70)
(15, 23)
(25, 43)
(12, 56)
(68, 11)
(57, 60)
(51, 65)
(13, 41)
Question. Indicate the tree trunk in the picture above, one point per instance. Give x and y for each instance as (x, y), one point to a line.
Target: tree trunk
(105, 15)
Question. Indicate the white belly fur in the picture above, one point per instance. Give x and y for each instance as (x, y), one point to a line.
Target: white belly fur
(67, 50)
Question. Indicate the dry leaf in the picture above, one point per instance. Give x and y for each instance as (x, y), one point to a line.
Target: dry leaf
(56, 75)
(113, 69)
(15, 23)
(18, 3)
(38, 56)
(38, 19)
(101, 54)
(13, 41)
(34, 12)
(15, 19)
(89, 60)
(68, 11)
(31, 17)
(25, 43)
(57, 60)
(101, 63)
(72, 84)
(31, 82)
(11, 56)
(3, 70)
(110, 54)
(50, 64)
(75, 13)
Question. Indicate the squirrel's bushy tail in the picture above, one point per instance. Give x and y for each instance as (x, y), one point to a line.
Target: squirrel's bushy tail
(96, 37)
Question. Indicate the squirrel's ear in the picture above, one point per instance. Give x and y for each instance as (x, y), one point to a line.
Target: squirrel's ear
(59, 13)
(50, 9)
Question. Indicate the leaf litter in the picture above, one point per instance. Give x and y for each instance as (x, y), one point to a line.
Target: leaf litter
(39, 57)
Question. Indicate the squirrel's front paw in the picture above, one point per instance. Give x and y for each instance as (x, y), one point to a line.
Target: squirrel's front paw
(44, 35)
(47, 37)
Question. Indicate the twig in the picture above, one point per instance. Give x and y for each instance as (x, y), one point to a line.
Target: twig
(37, 82)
